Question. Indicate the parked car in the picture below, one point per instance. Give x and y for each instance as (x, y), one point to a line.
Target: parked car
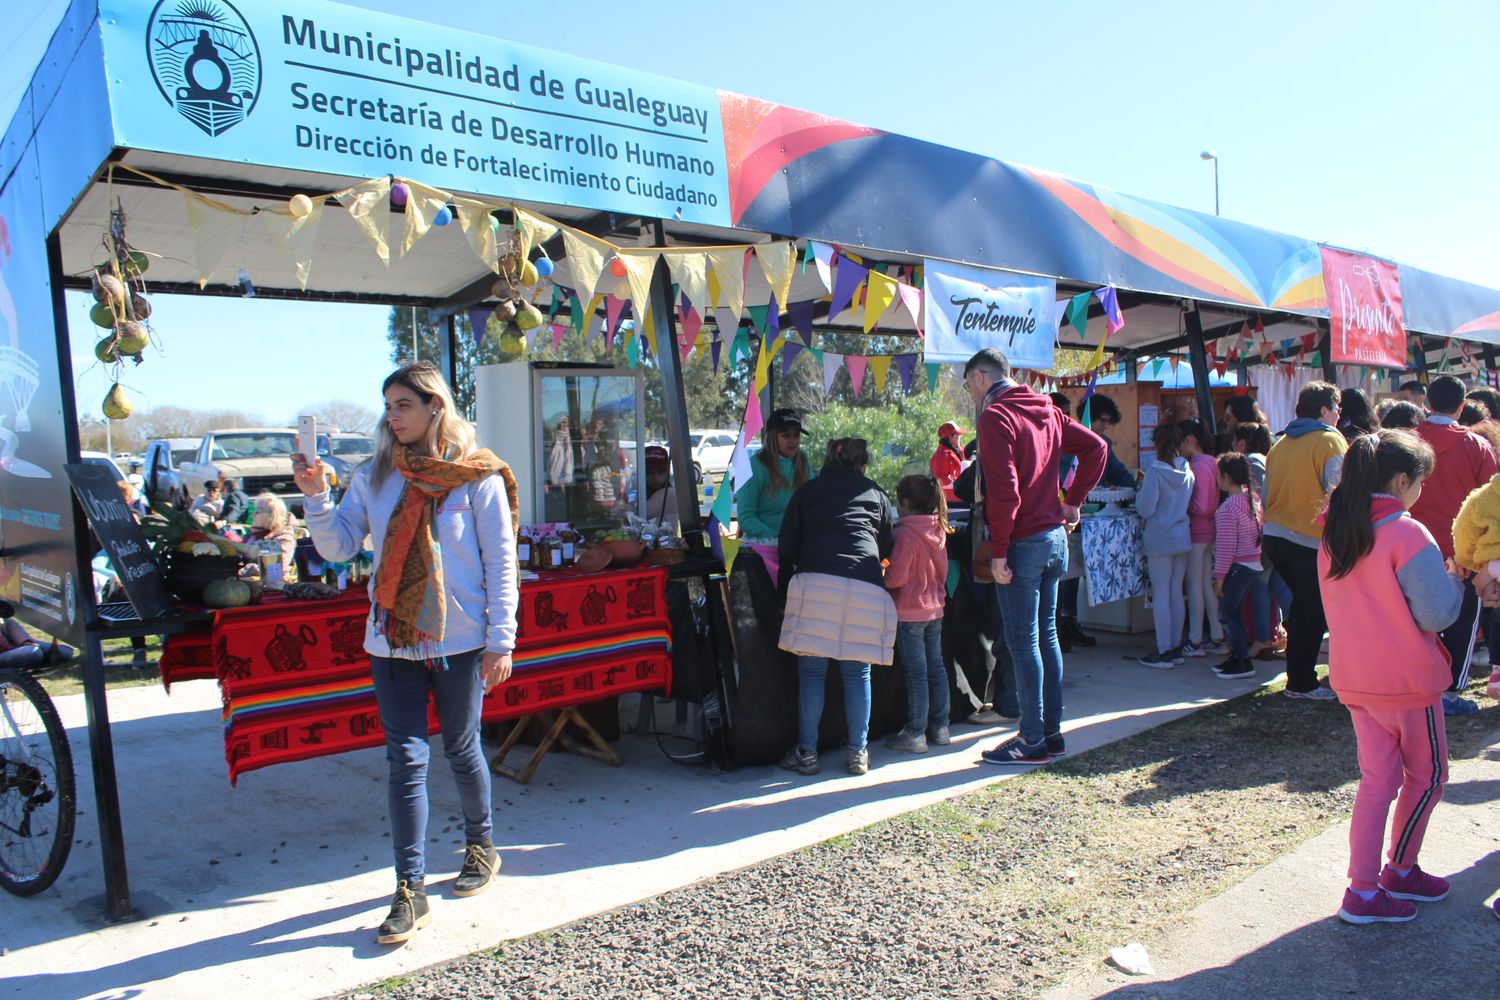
(260, 458)
(100, 458)
(343, 453)
(163, 481)
(712, 450)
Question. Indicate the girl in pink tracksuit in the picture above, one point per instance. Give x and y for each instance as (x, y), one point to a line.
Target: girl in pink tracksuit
(1201, 597)
(917, 578)
(1388, 594)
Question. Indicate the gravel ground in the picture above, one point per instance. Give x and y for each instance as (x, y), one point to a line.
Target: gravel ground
(1001, 892)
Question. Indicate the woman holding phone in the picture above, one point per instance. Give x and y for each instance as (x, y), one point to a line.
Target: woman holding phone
(442, 623)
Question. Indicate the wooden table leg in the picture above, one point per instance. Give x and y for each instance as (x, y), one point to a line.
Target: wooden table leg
(598, 750)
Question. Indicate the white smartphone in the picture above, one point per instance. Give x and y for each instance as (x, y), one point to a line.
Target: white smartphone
(307, 439)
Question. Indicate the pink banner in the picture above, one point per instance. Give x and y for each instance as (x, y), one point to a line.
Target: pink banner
(1364, 310)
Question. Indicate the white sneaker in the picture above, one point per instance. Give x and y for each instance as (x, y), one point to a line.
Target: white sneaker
(985, 717)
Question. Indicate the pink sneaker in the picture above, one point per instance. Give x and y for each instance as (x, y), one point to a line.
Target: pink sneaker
(1493, 687)
(1417, 886)
(1383, 908)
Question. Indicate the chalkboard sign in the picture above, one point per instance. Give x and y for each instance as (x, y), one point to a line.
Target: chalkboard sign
(122, 538)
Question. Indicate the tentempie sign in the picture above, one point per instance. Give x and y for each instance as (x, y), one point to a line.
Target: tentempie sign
(205, 60)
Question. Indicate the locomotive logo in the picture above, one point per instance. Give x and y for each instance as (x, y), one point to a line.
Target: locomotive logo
(205, 60)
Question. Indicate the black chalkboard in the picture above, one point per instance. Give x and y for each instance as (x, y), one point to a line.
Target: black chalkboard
(122, 538)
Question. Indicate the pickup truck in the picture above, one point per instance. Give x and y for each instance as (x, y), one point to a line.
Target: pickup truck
(260, 458)
(163, 480)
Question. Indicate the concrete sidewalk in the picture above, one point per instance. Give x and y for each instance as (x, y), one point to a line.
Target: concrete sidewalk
(1276, 935)
(278, 884)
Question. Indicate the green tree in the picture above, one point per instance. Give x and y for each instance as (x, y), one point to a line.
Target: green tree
(428, 345)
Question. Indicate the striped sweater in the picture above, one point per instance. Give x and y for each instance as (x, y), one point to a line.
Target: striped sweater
(1236, 534)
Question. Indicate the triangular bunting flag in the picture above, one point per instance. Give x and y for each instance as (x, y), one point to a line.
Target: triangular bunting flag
(831, 363)
(724, 499)
(823, 255)
(1078, 313)
(882, 294)
(934, 368)
(1114, 319)
(801, 315)
(716, 350)
(369, 205)
(479, 319)
(613, 309)
(585, 262)
(297, 236)
(856, 364)
(215, 230)
(753, 419)
(639, 266)
(481, 230)
(906, 367)
(690, 271)
(533, 229)
(846, 281)
(558, 333)
(789, 351)
(690, 322)
(879, 366)
(758, 317)
(422, 205)
(729, 270)
(911, 301)
(731, 553)
(776, 262)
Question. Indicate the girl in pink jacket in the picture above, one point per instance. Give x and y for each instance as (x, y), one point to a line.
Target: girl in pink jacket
(1388, 595)
(918, 580)
(1201, 598)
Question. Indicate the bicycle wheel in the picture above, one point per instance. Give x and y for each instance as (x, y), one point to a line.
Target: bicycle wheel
(37, 793)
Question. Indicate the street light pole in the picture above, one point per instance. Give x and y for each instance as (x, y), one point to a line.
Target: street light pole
(1209, 154)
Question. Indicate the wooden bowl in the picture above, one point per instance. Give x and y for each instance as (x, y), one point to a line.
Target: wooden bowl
(626, 552)
(594, 558)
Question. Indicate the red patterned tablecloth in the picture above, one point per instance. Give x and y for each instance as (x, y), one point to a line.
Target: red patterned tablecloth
(296, 679)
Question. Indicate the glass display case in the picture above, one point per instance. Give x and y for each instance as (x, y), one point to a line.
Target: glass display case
(589, 446)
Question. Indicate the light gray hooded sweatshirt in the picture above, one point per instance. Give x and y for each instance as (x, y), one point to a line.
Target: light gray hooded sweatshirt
(1163, 505)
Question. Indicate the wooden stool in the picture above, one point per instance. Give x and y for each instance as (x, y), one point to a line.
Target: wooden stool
(597, 748)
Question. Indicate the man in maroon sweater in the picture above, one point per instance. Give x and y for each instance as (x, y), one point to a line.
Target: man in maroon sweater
(1465, 462)
(1022, 436)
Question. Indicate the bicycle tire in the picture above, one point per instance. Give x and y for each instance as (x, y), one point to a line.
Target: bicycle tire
(31, 861)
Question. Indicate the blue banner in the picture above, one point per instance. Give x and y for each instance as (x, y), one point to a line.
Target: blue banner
(328, 88)
(970, 308)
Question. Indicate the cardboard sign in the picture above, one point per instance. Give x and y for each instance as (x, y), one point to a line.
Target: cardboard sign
(1364, 310)
(122, 538)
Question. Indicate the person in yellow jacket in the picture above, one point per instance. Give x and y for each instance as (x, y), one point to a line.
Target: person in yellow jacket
(1301, 469)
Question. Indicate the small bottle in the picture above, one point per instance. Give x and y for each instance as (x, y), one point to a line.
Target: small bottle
(523, 548)
(569, 546)
(555, 554)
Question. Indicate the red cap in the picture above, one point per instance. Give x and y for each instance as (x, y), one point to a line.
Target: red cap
(949, 429)
(658, 456)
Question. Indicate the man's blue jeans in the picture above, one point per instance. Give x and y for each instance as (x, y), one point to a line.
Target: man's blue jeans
(921, 647)
(1029, 606)
(812, 672)
(401, 691)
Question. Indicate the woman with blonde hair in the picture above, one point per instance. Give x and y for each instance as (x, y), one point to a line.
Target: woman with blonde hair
(779, 469)
(442, 621)
(274, 523)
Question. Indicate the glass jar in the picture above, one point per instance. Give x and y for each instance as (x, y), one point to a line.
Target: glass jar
(523, 549)
(271, 573)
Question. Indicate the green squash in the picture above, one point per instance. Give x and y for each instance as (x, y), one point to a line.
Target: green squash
(227, 593)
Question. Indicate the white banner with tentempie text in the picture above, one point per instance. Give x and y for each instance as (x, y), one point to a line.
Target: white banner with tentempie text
(970, 308)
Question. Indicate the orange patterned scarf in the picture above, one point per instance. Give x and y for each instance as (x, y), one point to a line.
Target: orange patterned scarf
(410, 599)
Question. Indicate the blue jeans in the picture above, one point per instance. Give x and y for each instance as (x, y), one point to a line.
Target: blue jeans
(1029, 605)
(401, 691)
(1242, 583)
(812, 672)
(921, 647)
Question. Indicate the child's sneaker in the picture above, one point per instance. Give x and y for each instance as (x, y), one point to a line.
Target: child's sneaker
(907, 742)
(1016, 751)
(1382, 908)
(801, 761)
(1214, 646)
(1190, 649)
(1162, 660)
(1319, 693)
(1417, 885)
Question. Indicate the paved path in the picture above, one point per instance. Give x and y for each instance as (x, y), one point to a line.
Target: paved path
(279, 882)
(1275, 934)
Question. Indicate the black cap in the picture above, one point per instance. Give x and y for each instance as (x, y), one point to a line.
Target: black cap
(785, 420)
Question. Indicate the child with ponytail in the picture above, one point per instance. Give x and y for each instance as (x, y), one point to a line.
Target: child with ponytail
(1387, 595)
(917, 578)
(1238, 574)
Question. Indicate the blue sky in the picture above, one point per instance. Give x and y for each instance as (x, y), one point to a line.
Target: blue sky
(1365, 124)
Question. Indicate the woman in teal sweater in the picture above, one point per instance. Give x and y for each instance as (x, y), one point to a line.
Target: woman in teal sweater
(779, 469)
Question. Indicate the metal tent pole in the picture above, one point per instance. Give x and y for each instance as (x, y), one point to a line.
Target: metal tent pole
(1198, 358)
(669, 362)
